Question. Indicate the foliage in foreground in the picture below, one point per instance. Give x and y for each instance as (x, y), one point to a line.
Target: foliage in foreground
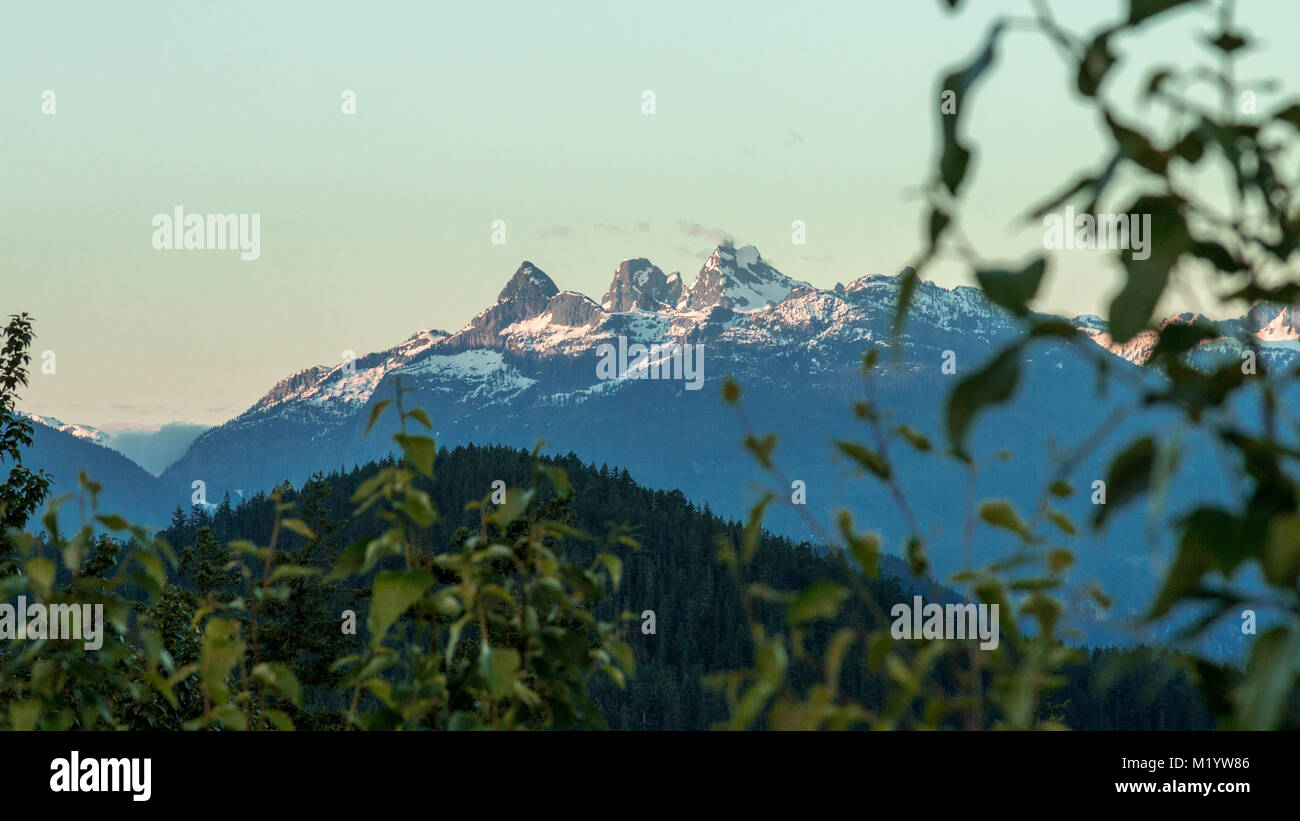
(1245, 247)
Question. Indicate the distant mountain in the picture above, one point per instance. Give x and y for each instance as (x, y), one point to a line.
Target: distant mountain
(128, 489)
(84, 432)
(154, 450)
(529, 367)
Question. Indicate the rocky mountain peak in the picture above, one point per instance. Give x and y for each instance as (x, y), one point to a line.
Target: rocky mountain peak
(639, 284)
(739, 279)
(529, 284)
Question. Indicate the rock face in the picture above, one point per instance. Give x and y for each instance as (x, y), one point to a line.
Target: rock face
(573, 309)
(525, 296)
(292, 385)
(738, 279)
(639, 284)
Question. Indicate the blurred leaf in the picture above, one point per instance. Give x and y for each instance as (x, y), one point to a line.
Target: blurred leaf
(375, 413)
(991, 385)
(1013, 289)
(419, 451)
(394, 591)
(1270, 678)
(865, 457)
(1000, 513)
(300, 527)
(498, 667)
(821, 600)
(1140, 10)
(1129, 477)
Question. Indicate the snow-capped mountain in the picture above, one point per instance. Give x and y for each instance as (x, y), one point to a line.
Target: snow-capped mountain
(1274, 330)
(527, 368)
(537, 346)
(65, 451)
(739, 279)
(85, 432)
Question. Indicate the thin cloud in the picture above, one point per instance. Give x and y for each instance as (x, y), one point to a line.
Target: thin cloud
(715, 235)
(554, 231)
(614, 229)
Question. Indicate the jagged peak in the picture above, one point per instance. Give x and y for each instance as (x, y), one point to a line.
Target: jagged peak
(638, 283)
(739, 279)
(528, 281)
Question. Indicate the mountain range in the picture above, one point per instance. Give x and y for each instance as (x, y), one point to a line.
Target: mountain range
(526, 369)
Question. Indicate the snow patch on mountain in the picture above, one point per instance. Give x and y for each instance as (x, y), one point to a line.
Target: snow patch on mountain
(85, 432)
(739, 279)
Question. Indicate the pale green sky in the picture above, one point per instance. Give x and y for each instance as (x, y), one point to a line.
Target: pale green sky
(377, 225)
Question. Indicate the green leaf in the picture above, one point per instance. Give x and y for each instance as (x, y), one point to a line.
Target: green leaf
(280, 719)
(821, 600)
(914, 437)
(1059, 560)
(1289, 114)
(955, 157)
(300, 527)
(1140, 10)
(1270, 678)
(375, 413)
(40, 574)
(1168, 239)
(939, 221)
(1097, 61)
(1282, 551)
(991, 385)
(1129, 477)
(23, 715)
(906, 288)
(290, 571)
(222, 649)
(1062, 522)
(1212, 540)
(419, 507)
(865, 548)
(282, 679)
(516, 503)
(1135, 146)
(614, 565)
(1061, 488)
(865, 457)
(113, 522)
(558, 478)
(418, 450)
(1000, 513)
(1013, 289)
(916, 558)
(394, 591)
(498, 667)
(1228, 42)
(419, 415)
(761, 447)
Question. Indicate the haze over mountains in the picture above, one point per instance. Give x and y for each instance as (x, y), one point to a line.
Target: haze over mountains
(525, 369)
(152, 450)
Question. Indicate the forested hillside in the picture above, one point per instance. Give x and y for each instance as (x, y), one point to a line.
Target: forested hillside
(700, 624)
